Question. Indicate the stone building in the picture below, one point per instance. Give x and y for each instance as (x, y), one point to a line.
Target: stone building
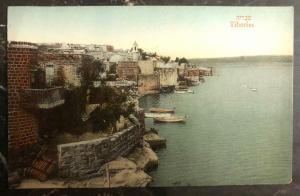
(148, 83)
(72, 76)
(23, 100)
(147, 67)
(181, 69)
(52, 62)
(167, 74)
(191, 72)
(128, 70)
(198, 72)
(205, 71)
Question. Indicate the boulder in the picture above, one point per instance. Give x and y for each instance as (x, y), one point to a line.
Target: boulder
(123, 173)
(117, 165)
(145, 158)
(123, 178)
(154, 140)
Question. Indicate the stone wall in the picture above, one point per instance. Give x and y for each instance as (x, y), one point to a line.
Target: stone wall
(22, 125)
(71, 75)
(148, 83)
(128, 70)
(168, 76)
(147, 67)
(80, 159)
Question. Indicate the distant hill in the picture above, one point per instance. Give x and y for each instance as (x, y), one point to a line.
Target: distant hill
(241, 59)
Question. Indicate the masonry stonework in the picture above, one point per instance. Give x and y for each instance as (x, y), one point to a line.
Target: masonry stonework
(128, 70)
(22, 125)
(148, 83)
(168, 76)
(80, 159)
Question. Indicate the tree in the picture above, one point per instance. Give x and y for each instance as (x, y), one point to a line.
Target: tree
(113, 69)
(113, 106)
(143, 54)
(89, 70)
(66, 118)
(183, 60)
(165, 59)
(99, 66)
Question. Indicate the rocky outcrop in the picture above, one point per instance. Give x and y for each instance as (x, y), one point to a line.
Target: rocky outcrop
(82, 159)
(154, 140)
(122, 172)
(144, 157)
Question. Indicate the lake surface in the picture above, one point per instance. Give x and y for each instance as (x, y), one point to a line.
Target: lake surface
(233, 135)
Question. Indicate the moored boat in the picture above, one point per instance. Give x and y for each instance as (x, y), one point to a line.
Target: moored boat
(171, 119)
(156, 115)
(182, 87)
(180, 91)
(184, 91)
(194, 83)
(161, 110)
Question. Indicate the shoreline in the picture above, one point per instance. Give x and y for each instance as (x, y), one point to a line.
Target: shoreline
(124, 171)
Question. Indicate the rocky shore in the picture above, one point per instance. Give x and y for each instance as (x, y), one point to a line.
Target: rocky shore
(155, 141)
(127, 171)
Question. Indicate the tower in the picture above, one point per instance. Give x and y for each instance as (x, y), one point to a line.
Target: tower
(134, 47)
(135, 52)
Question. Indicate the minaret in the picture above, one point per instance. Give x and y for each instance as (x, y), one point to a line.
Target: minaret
(135, 52)
(134, 47)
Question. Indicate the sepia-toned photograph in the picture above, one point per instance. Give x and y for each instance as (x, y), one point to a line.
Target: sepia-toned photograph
(149, 96)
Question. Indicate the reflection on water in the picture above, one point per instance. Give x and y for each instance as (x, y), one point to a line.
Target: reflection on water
(233, 135)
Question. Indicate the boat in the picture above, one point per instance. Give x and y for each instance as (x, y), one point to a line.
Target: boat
(180, 91)
(253, 89)
(171, 119)
(156, 115)
(184, 91)
(181, 87)
(161, 110)
(193, 83)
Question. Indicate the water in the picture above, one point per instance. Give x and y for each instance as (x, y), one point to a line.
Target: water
(233, 135)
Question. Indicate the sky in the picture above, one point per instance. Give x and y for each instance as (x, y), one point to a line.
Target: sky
(176, 31)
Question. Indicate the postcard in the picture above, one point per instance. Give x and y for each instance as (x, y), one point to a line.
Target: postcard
(102, 96)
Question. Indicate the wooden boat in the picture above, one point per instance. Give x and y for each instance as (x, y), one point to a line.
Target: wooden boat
(184, 91)
(185, 87)
(194, 83)
(156, 115)
(180, 91)
(161, 110)
(172, 119)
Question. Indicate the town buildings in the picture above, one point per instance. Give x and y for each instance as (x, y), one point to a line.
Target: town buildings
(128, 70)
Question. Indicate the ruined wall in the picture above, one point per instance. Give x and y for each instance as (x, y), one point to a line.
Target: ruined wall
(72, 77)
(148, 83)
(22, 125)
(168, 76)
(128, 70)
(80, 159)
(147, 67)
